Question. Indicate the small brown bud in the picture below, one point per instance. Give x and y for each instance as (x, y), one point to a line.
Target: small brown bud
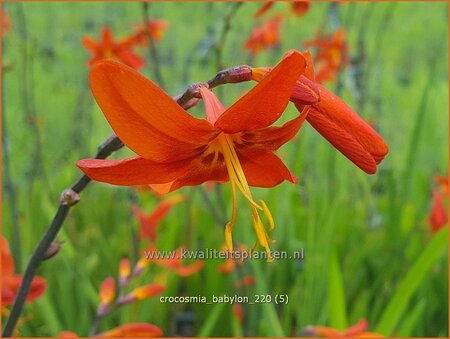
(69, 197)
(52, 250)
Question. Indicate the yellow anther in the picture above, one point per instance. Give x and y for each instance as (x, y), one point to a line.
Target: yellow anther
(268, 215)
(228, 236)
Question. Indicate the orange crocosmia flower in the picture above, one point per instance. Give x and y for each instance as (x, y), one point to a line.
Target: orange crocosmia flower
(230, 263)
(246, 281)
(155, 28)
(108, 48)
(238, 312)
(264, 36)
(331, 55)
(11, 281)
(438, 217)
(264, 8)
(189, 269)
(336, 121)
(175, 263)
(443, 183)
(67, 335)
(149, 222)
(6, 23)
(355, 331)
(176, 149)
(138, 330)
(299, 8)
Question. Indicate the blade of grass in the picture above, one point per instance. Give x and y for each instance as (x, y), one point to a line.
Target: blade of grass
(411, 321)
(410, 283)
(336, 295)
(237, 328)
(207, 328)
(274, 324)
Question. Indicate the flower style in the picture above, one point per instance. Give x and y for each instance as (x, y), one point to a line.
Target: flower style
(356, 331)
(11, 281)
(335, 120)
(108, 48)
(176, 149)
(331, 56)
(155, 29)
(264, 36)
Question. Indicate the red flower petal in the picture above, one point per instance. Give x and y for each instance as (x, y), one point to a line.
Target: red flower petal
(7, 259)
(130, 58)
(438, 217)
(144, 117)
(347, 131)
(356, 329)
(213, 107)
(138, 330)
(263, 9)
(133, 171)
(10, 286)
(89, 43)
(305, 91)
(265, 103)
(300, 8)
(190, 269)
(272, 138)
(263, 168)
(200, 171)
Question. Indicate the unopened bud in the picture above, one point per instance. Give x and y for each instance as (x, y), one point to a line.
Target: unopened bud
(52, 250)
(124, 271)
(69, 197)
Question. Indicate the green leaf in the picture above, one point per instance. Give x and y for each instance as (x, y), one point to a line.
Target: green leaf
(336, 295)
(411, 282)
(275, 329)
(208, 326)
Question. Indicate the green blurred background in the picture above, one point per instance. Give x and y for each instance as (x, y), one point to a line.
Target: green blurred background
(369, 252)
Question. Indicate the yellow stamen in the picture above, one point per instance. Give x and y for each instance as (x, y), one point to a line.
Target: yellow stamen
(238, 179)
(228, 236)
(268, 215)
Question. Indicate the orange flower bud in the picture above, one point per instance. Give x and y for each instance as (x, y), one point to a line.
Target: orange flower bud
(141, 265)
(124, 271)
(107, 291)
(142, 293)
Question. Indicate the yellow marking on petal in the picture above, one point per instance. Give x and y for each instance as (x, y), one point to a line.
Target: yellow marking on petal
(268, 215)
